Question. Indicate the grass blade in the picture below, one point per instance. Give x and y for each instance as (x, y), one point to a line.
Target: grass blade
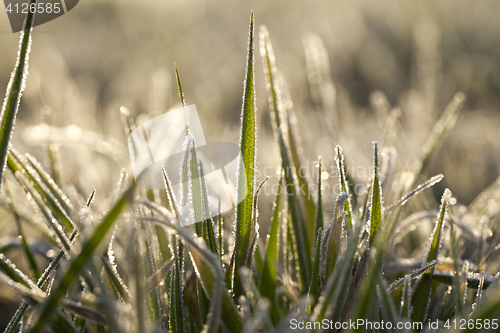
(423, 289)
(300, 230)
(14, 91)
(14, 273)
(115, 279)
(441, 129)
(58, 232)
(388, 307)
(431, 182)
(376, 210)
(208, 270)
(78, 263)
(27, 249)
(339, 158)
(158, 276)
(296, 157)
(268, 281)
(315, 277)
(334, 295)
(176, 300)
(55, 200)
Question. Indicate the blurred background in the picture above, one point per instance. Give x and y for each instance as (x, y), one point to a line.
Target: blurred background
(372, 57)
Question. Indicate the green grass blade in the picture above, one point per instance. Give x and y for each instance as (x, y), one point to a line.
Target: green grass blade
(315, 277)
(423, 289)
(246, 182)
(55, 200)
(300, 230)
(332, 242)
(296, 158)
(37, 201)
(441, 129)
(487, 309)
(86, 312)
(158, 276)
(14, 91)
(388, 307)
(356, 283)
(51, 184)
(27, 249)
(176, 317)
(13, 272)
(78, 263)
(344, 184)
(455, 256)
(437, 234)
(376, 210)
(179, 86)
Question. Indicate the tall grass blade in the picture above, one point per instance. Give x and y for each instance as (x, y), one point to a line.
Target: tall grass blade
(341, 169)
(376, 208)
(456, 278)
(268, 282)
(78, 263)
(318, 220)
(335, 292)
(207, 224)
(323, 91)
(246, 181)
(332, 240)
(27, 249)
(423, 290)
(16, 318)
(115, 279)
(15, 90)
(431, 182)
